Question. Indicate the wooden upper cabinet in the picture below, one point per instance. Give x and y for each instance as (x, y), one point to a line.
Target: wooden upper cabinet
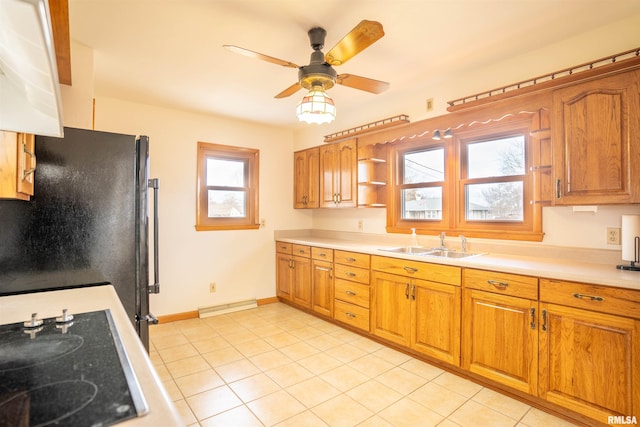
(596, 138)
(17, 165)
(306, 178)
(338, 174)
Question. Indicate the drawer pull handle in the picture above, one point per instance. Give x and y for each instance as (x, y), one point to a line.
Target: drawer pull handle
(406, 290)
(350, 315)
(413, 292)
(351, 259)
(350, 274)
(589, 297)
(301, 251)
(322, 254)
(544, 320)
(350, 293)
(410, 269)
(499, 285)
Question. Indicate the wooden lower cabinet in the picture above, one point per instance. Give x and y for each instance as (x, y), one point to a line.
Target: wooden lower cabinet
(418, 314)
(301, 284)
(500, 338)
(293, 273)
(283, 276)
(435, 325)
(322, 287)
(590, 348)
(351, 289)
(391, 307)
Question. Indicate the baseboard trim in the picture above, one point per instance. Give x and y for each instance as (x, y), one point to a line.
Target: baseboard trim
(168, 318)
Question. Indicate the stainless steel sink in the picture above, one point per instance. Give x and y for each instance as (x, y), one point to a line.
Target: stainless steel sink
(415, 250)
(450, 254)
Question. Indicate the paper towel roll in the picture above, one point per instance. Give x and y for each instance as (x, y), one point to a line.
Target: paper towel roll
(630, 229)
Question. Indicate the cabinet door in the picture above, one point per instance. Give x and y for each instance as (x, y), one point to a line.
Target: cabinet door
(306, 178)
(435, 323)
(391, 314)
(589, 362)
(338, 174)
(348, 179)
(596, 134)
(329, 171)
(283, 276)
(302, 281)
(500, 339)
(322, 287)
(17, 165)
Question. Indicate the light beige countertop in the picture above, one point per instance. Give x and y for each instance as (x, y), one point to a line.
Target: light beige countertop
(18, 308)
(545, 267)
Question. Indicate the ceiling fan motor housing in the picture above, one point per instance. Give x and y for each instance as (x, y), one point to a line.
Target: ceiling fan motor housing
(317, 72)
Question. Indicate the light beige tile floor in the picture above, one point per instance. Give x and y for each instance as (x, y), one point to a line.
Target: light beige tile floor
(275, 365)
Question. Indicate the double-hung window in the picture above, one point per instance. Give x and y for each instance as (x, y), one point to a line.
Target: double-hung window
(478, 183)
(227, 187)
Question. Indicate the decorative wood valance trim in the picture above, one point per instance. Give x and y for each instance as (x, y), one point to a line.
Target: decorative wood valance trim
(599, 67)
(369, 127)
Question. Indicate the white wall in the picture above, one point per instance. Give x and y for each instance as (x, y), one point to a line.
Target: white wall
(562, 227)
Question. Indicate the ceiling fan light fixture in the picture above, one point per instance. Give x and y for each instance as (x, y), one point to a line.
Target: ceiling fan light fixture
(316, 107)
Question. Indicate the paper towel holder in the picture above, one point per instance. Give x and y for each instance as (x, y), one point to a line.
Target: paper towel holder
(630, 242)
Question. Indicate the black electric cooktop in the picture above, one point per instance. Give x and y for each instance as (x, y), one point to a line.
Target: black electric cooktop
(66, 372)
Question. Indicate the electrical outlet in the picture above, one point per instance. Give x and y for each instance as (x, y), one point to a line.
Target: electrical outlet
(360, 225)
(263, 223)
(429, 104)
(613, 236)
(212, 287)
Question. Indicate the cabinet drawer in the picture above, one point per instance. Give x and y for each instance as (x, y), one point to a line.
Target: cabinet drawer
(303, 251)
(622, 302)
(284, 248)
(501, 283)
(351, 314)
(322, 254)
(351, 258)
(355, 293)
(417, 269)
(355, 274)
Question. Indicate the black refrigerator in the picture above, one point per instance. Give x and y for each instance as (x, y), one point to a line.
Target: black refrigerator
(87, 223)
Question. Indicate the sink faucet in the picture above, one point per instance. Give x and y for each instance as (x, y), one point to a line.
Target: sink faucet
(442, 236)
(464, 243)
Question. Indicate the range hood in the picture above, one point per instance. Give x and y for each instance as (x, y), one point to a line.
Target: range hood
(30, 99)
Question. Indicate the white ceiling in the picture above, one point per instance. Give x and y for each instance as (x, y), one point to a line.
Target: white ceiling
(169, 52)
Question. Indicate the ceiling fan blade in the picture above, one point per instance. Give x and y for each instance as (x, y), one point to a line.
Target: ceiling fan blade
(256, 55)
(289, 91)
(362, 36)
(362, 83)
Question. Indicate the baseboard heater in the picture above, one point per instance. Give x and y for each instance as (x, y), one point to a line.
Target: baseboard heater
(227, 308)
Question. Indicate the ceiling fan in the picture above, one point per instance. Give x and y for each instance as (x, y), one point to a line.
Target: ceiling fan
(320, 70)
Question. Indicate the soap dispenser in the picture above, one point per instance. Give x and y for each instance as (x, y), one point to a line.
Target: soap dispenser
(414, 238)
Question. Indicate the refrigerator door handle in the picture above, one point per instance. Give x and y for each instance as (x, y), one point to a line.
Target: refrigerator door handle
(153, 320)
(155, 288)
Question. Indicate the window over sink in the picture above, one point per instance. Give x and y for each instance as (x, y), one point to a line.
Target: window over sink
(477, 183)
